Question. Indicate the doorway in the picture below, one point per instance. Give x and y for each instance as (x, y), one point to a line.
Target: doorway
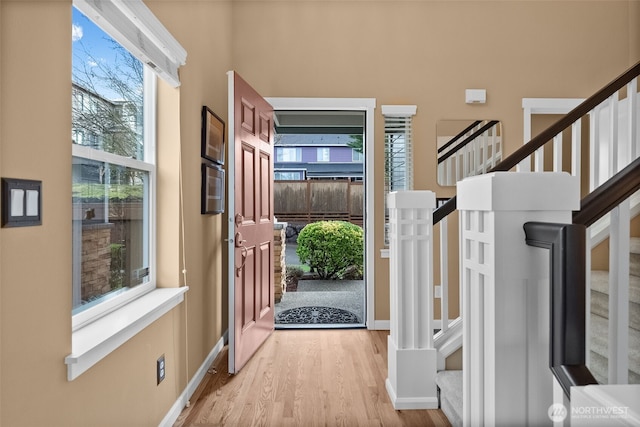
(333, 120)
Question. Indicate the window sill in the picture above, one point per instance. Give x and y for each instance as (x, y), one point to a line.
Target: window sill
(93, 342)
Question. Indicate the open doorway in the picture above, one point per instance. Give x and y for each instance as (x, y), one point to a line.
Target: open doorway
(320, 175)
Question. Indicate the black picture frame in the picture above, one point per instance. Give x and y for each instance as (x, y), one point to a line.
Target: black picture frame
(213, 136)
(21, 202)
(212, 191)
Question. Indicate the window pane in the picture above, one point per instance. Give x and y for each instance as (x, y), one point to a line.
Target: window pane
(323, 154)
(357, 157)
(288, 154)
(288, 176)
(110, 230)
(107, 92)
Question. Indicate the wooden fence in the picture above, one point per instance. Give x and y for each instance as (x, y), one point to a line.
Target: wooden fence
(315, 200)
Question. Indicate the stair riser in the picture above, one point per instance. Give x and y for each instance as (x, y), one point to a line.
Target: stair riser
(634, 266)
(599, 369)
(600, 306)
(600, 344)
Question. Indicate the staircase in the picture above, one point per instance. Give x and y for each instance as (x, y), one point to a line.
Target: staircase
(450, 382)
(600, 315)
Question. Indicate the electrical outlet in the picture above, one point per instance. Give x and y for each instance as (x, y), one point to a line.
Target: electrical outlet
(437, 292)
(160, 369)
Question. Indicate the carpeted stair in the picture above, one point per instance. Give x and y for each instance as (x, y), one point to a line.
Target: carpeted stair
(600, 323)
(450, 395)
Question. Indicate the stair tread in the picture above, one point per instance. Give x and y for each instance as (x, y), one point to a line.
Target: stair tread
(600, 283)
(634, 247)
(600, 342)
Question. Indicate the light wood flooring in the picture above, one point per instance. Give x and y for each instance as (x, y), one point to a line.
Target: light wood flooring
(305, 378)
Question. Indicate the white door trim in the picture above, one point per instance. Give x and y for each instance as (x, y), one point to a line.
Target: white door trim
(367, 105)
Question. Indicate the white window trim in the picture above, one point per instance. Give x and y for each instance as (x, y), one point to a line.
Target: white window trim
(283, 149)
(134, 26)
(103, 308)
(399, 111)
(100, 330)
(321, 157)
(93, 342)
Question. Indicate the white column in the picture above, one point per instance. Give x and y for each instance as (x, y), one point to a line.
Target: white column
(505, 293)
(412, 359)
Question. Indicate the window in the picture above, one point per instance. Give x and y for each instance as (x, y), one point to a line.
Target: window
(398, 159)
(288, 154)
(113, 171)
(289, 175)
(323, 154)
(356, 156)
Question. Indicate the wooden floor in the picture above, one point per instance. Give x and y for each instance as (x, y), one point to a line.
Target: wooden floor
(305, 378)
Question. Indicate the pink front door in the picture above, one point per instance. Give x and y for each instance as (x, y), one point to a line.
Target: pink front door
(251, 313)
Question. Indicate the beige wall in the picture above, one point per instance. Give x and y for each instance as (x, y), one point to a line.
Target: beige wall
(427, 53)
(284, 48)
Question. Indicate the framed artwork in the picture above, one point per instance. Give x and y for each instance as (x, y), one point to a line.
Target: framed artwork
(21, 202)
(213, 128)
(212, 189)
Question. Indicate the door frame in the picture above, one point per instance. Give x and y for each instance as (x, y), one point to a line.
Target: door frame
(367, 105)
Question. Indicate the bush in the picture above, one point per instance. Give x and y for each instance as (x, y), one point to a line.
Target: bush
(294, 271)
(331, 248)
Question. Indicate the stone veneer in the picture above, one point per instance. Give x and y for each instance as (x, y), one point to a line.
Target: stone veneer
(96, 259)
(279, 264)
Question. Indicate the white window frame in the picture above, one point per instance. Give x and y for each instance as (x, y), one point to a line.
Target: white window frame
(323, 154)
(398, 117)
(299, 172)
(99, 330)
(280, 154)
(356, 156)
(148, 165)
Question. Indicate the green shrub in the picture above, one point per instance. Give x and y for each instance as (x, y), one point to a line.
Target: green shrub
(331, 248)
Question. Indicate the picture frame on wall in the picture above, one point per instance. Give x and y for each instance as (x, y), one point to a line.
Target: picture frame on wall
(212, 189)
(213, 139)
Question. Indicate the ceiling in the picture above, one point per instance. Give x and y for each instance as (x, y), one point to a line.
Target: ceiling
(319, 122)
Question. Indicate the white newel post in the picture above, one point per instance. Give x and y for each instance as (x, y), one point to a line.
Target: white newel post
(505, 294)
(412, 358)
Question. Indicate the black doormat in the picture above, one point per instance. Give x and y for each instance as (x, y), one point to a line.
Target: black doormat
(310, 315)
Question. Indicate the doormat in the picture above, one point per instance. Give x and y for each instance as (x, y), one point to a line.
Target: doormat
(309, 315)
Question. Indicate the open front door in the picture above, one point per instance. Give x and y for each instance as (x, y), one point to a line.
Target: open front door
(251, 298)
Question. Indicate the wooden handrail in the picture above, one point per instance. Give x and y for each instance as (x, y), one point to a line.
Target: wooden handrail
(609, 195)
(548, 134)
(468, 140)
(458, 136)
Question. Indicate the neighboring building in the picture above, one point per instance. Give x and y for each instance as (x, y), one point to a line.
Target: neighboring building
(100, 123)
(316, 156)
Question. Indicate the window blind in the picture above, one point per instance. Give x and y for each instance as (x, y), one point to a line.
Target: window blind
(134, 26)
(398, 155)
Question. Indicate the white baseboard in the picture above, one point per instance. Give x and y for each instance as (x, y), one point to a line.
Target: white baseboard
(380, 325)
(179, 405)
(385, 325)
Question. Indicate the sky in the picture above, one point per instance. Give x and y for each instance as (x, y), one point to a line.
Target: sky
(86, 33)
